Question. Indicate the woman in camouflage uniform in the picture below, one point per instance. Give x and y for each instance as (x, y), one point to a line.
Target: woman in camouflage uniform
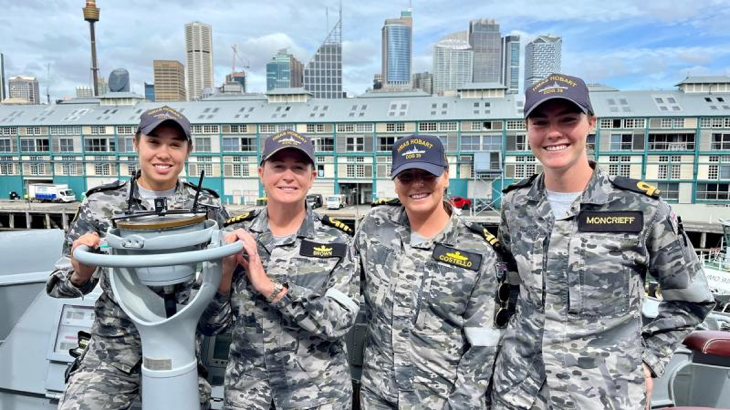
(430, 284)
(108, 373)
(293, 297)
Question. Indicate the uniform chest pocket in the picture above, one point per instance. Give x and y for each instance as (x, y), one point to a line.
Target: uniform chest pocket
(444, 296)
(600, 272)
(311, 272)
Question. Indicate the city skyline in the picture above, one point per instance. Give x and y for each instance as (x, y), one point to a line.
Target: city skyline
(627, 44)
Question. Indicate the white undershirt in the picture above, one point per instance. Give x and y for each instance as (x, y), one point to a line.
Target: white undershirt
(148, 196)
(560, 202)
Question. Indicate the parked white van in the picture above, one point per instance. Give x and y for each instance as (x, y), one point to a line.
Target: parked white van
(336, 201)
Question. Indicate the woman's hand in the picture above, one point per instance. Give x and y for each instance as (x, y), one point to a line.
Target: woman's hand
(230, 262)
(82, 272)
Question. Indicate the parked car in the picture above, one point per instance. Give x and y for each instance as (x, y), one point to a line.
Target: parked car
(315, 200)
(460, 202)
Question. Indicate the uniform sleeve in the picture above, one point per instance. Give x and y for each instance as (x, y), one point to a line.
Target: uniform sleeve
(59, 284)
(686, 297)
(220, 214)
(476, 364)
(330, 313)
(217, 316)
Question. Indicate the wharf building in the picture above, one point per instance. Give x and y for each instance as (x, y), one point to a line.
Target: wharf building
(677, 140)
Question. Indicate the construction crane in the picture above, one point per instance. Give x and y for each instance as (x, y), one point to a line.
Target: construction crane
(244, 64)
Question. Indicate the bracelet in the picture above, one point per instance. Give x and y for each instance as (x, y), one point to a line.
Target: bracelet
(278, 287)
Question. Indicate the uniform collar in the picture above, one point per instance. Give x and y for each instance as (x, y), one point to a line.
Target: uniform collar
(447, 236)
(596, 191)
(261, 224)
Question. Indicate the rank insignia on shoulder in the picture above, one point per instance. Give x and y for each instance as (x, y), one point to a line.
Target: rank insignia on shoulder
(462, 259)
(519, 184)
(322, 250)
(246, 216)
(610, 221)
(337, 224)
(482, 231)
(386, 201)
(637, 185)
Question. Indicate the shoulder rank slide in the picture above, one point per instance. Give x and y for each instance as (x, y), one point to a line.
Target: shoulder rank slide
(246, 216)
(386, 201)
(337, 224)
(322, 250)
(636, 185)
(106, 187)
(482, 231)
(519, 184)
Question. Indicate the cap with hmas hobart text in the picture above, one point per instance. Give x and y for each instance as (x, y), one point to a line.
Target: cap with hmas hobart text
(424, 152)
(287, 139)
(558, 86)
(151, 119)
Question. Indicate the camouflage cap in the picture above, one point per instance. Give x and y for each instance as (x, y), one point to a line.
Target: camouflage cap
(151, 119)
(285, 140)
(424, 152)
(557, 86)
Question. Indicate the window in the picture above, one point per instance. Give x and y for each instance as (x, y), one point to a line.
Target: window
(7, 168)
(619, 166)
(34, 145)
(98, 130)
(315, 128)
(355, 144)
(670, 190)
(323, 144)
(345, 127)
(621, 142)
(525, 166)
(385, 143)
(69, 166)
(239, 167)
(395, 127)
(713, 192)
(716, 122)
(33, 131)
(66, 144)
(720, 141)
(205, 164)
(634, 123)
(126, 144)
(9, 131)
(99, 145)
(202, 145)
(125, 130)
(427, 126)
(516, 125)
(470, 142)
(492, 143)
(670, 167)
(608, 123)
(238, 129)
(5, 145)
(102, 168)
(448, 126)
(132, 168)
(522, 143)
(364, 127)
(721, 169)
(671, 142)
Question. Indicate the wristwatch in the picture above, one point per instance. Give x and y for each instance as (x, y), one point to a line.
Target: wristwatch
(278, 287)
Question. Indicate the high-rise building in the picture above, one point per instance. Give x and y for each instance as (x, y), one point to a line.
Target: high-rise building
(511, 63)
(283, 71)
(24, 87)
(323, 74)
(542, 58)
(199, 49)
(397, 51)
(3, 92)
(453, 62)
(149, 92)
(423, 81)
(169, 80)
(486, 44)
(238, 77)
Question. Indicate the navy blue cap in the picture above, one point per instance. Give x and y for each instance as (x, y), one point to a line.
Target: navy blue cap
(558, 86)
(287, 139)
(424, 152)
(151, 119)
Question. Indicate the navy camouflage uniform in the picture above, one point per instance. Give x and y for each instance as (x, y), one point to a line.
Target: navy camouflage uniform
(108, 373)
(576, 340)
(431, 340)
(291, 353)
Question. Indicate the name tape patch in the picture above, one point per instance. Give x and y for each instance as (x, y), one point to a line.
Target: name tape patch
(610, 221)
(462, 259)
(322, 250)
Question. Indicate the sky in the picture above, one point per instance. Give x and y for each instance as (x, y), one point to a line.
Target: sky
(627, 44)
